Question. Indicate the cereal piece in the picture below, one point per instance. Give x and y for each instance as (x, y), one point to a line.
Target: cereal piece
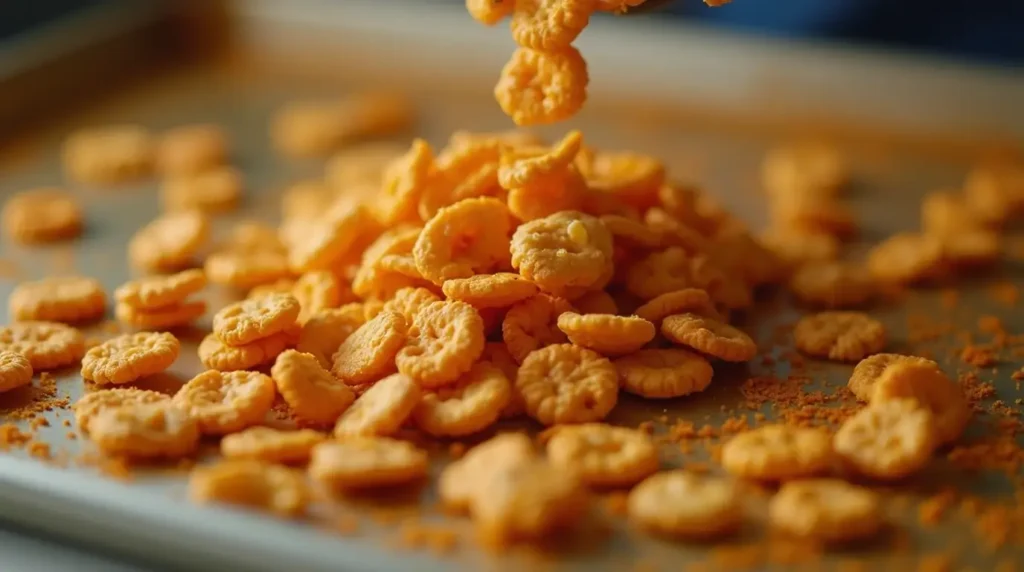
(129, 357)
(887, 440)
(523, 167)
(804, 169)
(46, 345)
(796, 247)
(157, 292)
(471, 404)
(529, 500)
(565, 253)
(470, 237)
(868, 370)
(108, 155)
(499, 290)
(596, 302)
(224, 403)
(311, 392)
(548, 194)
(840, 336)
(630, 177)
(531, 325)
(169, 242)
(57, 299)
(971, 248)
(245, 270)
(567, 384)
(369, 352)
(95, 402)
(381, 410)
(667, 271)
(215, 191)
(145, 431)
(603, 455)
(829, 510)
(778, 453)
(906, 258)
(282, 286)
(632, 231)
(549, 25)
(271, 445)
(409, 301)
(191, 149)
(250, 320)
(162, 318)
(465, 478)
(445, 339)
(325, 331)
(606, 334)
(490, 12)
(319, 290)
(680, 504)
(215, 354)
(42, 215)
(367, 462)
(255, 484)
(995, 192)
(542, 87)
(15, 370)
(405, 180)
(331, 238)
(927, 384)
(709, 336)
(946, 213)
(687, 300)
(832, 284)
(663, 373)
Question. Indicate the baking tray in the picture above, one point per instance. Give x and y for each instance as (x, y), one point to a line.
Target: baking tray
(708, 119)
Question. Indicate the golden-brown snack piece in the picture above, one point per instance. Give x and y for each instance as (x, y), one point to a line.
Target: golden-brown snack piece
(925, 383)
(607, 334)
(191, 149)
(95, 402)
(42, 215)
(811, 168)
(226, 402)
(255, 484)
(170, 242)
(145, 431)
(466, 478)
(467, 238)
(906, 258)
(532, 324)
(499, 290)
(473, 403)
(254, 319)
(542, 87)
(680, 504)
(129, 357)
(381, 410)
(565, 253)
(57, 299)
(271, 445)
(312, 393)
(215, 354)
(317, 127)
(832, 284)
(15, 370)
(369, 352)
(108, 155)
(564, 383)
(887, 440)
(603, 455)
(778, 453)
(165, 318)
(157, 292)
(828, 510)
(663, 373)
(685, 301)
(709, 336)
(245, 270)
(445, 339)
(841, 336)
(46, 345)
(325, 331)
(868, 370)
(367, 462)
(212, 191)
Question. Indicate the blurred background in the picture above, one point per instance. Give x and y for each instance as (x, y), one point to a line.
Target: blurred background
(988, 31)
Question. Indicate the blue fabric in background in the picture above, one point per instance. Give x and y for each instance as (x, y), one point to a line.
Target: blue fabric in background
(989, 30)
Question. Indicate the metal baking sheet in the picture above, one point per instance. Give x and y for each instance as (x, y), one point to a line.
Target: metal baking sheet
(149, 519)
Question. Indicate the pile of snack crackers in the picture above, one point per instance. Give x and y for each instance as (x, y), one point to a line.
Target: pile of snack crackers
(497, 277)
